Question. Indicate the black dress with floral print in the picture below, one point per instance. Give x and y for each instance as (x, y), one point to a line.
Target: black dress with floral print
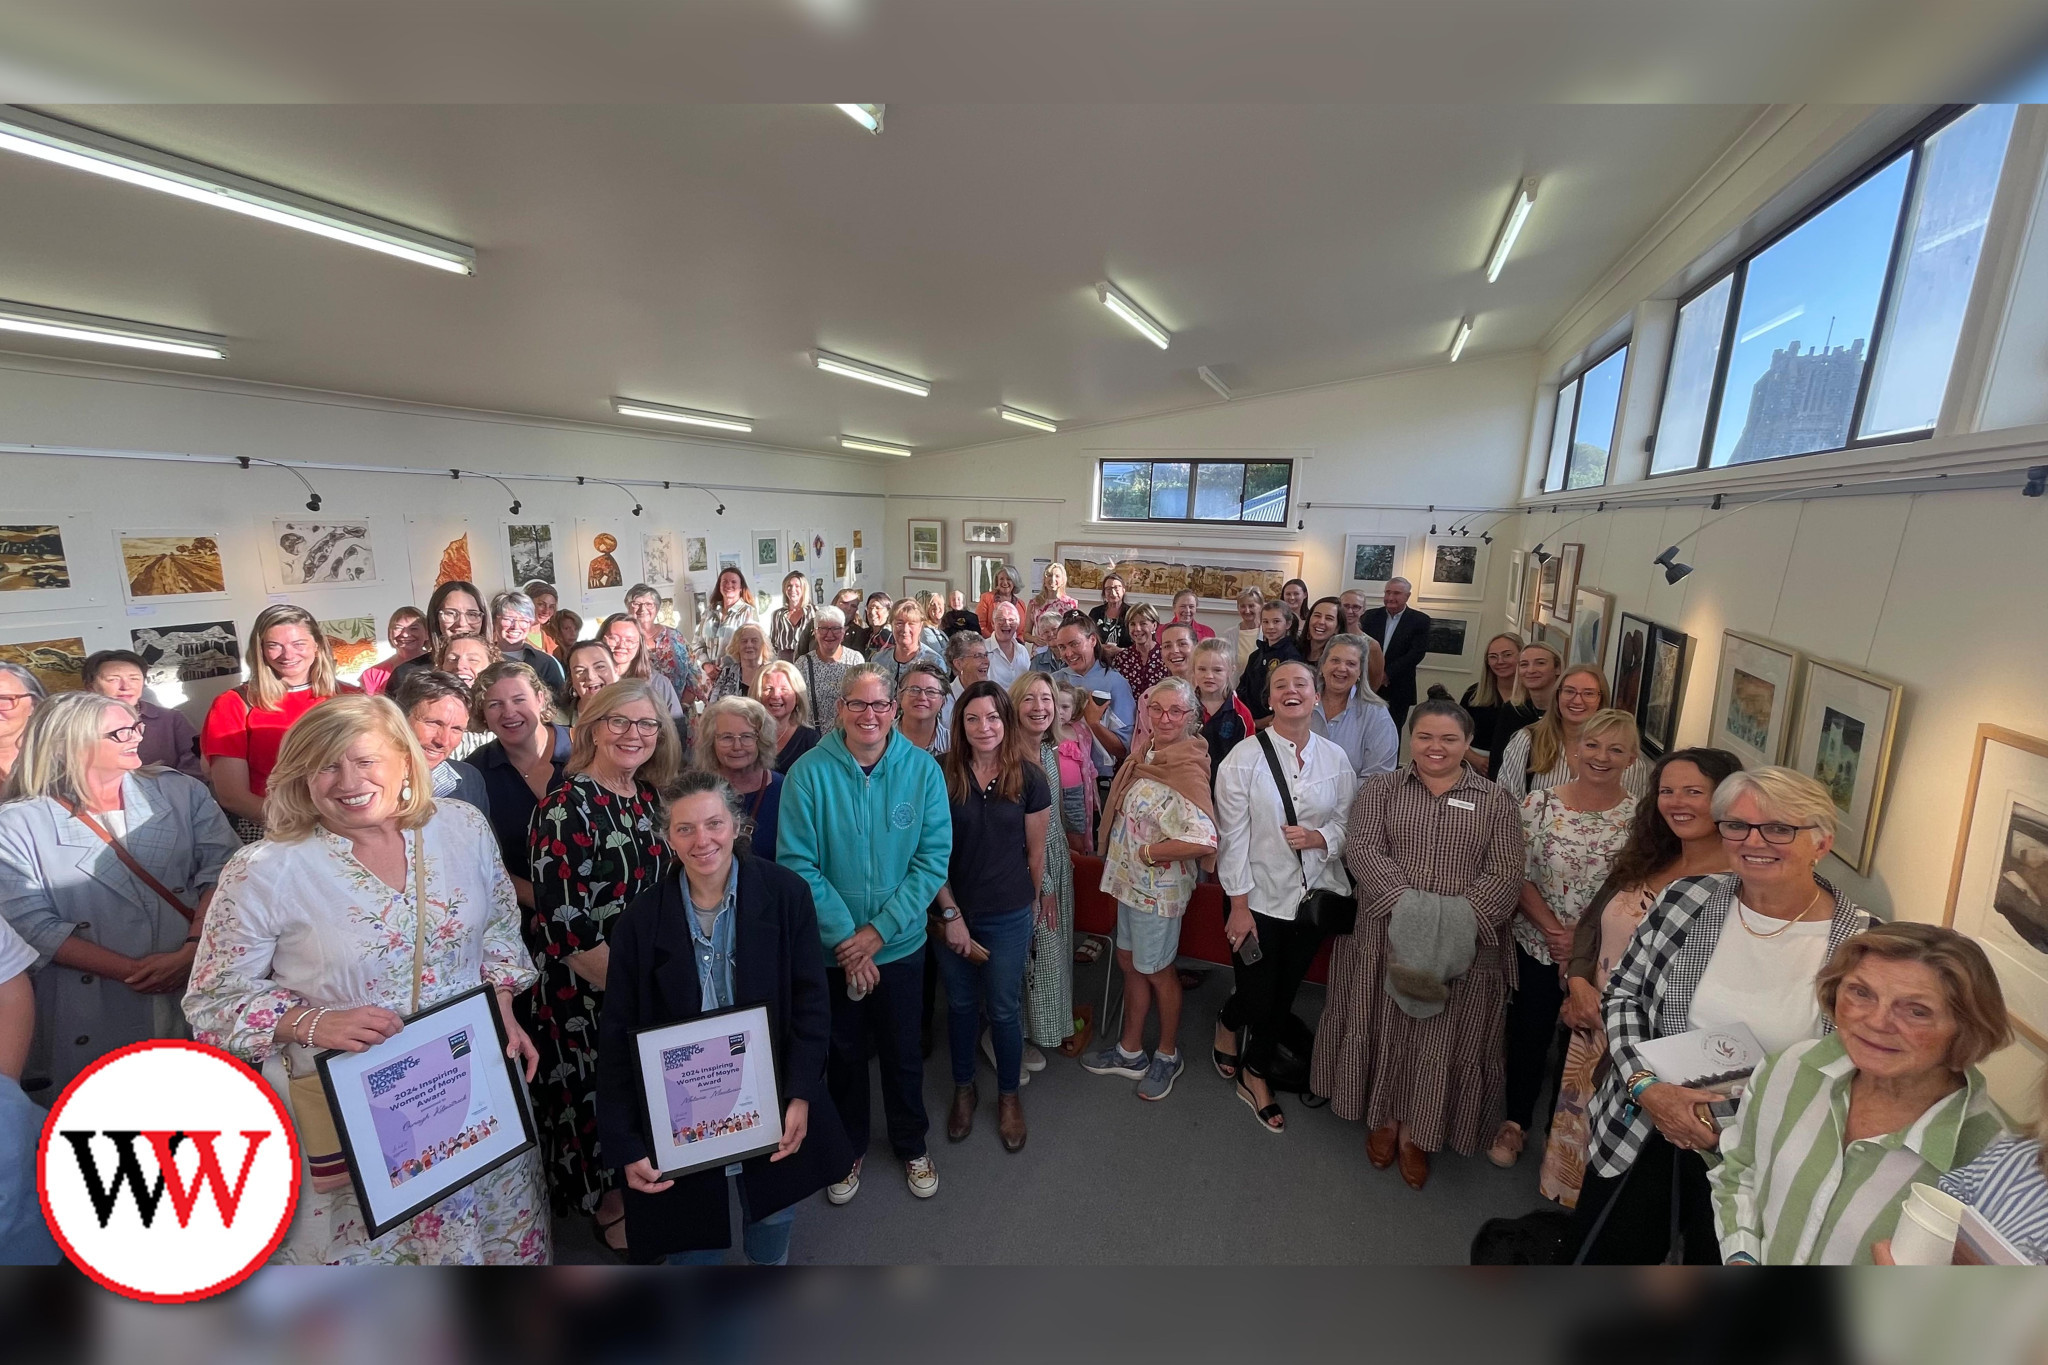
(593, 852)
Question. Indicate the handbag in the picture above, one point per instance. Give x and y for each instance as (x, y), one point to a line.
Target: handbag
(312, 1111)
(1327, 912)
(84, 817)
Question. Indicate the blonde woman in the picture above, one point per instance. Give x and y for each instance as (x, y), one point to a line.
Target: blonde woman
(1542, 755)
(737, 742)
(1052, 594)
(113, 953)
(596, 844)
(790, 626)
(739, 673)
(788, 702)
(291, 671)
(1497, 703)
(321, 936)
(934, 609)
(1250, 603)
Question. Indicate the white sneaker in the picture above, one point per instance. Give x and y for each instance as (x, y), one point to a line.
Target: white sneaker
(1034, 1060)
(922, 1176)
(988, 1050)
(843, 1191)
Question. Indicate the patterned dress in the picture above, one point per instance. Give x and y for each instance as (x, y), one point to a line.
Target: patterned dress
(307, 924)
(668, 653)
(1049, 982)
(1140, 674)
(593, 852)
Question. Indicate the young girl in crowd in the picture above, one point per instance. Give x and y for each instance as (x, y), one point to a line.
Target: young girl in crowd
(1078, 795)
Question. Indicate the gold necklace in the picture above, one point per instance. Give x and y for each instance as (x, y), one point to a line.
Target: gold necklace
(1804, 911)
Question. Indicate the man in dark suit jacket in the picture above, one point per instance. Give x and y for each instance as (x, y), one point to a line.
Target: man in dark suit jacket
(1403, 635)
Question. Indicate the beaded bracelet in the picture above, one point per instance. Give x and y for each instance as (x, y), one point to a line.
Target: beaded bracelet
(1638, 1083)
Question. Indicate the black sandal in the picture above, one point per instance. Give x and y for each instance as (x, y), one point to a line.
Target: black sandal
(1267, 1115)
(1226, 1062)
(605, 1242)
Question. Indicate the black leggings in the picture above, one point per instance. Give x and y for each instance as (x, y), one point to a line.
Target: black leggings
(1266, 988)
(1531, 1033)
(1639, 1231)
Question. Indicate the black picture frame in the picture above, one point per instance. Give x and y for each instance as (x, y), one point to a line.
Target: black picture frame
(1663, 692)
(356, 1061)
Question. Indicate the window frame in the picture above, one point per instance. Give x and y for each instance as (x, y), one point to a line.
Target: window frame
(1194, 464)
(1578, 377)
(1911, 144)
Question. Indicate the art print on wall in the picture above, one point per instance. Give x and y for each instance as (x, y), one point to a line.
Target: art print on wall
(981, 575)
(1753, 685)
(188, 653)
(913, 585)
(1155, 573)
(1532, 592)
(1843, 739)
(355, 644)
(1546, 597)
(697, 553)
(1592, 609)
(58, 661)
(927, 545)
(1663, 689)
(729, 559)
(661, 559)
(1516, 561)
(171, 566)
(1370, 559)
(32, 559)
(1453, 641)
(985, 532)
(323, 554)
(1568, 558)
(767, 555)
(530, 546)
(799, 549)
(1453, 568)
(839, 562)
(603, 570)
(1998, 885)
(1631, 649)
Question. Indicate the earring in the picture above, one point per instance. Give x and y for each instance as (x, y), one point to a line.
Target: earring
(405, 790)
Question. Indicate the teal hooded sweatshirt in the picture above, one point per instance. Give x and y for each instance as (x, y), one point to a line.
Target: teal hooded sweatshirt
(873, 846)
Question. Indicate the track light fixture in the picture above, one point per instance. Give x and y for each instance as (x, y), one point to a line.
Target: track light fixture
(1673, 570)
(637, 509)
(516, 504)
(2037, 481)
(312, 493)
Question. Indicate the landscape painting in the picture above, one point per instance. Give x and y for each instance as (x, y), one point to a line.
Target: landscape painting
(183, 654)
(32, 559)
(1452, 567)
(532, 546)
(1753, 689)
(2022, 895)
(1748, 715)
(355, 644)
(163, 564)
(660, 559)
(58, 662)
(698, 552)
(324, 553)
(1370, 559)
(1840, 757)
(1998, 885)
(1848, 720)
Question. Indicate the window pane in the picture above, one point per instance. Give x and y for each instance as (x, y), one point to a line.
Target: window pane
(1695, 350)
(1219, 491)
(1593, 435)
(1958, 178)
(1126, 490)
(1803, 337)
(1265, 492)
(1560, 437)
(1170, 491)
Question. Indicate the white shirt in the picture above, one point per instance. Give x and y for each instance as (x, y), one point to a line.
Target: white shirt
(1005, 669)
(1393, 624)
(1252, 856)
(1766, 983)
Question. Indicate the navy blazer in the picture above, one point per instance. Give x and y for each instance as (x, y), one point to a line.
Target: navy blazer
(1404, 655)
(779, 961)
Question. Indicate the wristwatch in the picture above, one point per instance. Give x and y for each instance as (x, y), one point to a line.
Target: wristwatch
(949, 913)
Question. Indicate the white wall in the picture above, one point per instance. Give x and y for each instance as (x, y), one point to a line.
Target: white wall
(411, 517)
(1448, 434)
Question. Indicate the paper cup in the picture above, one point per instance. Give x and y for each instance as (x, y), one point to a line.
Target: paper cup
(1922, 1238)
(1940, 1208)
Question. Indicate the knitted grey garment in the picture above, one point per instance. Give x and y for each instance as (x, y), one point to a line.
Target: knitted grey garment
(1430, 941)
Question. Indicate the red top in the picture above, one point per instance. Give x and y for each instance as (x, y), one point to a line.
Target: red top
(232, 730)
(1202, 632)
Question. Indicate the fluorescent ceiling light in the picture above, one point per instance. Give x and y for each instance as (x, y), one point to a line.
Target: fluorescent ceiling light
(873, 447)
(868, 116)
(872, 374)
(1525, 199)
(82, 149)
(142, 336)
(1026, 419)
(1464, 335)
(1208, 376)
(1117, 302)
(662, 412)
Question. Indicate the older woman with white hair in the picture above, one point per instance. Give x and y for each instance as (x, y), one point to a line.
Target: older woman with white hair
(20, 690)
(106, 869)
(824, 668)
(737, 741)
(1350, 714)
(1740, 947)
(367, 901)
(782, 693)
(739, 673)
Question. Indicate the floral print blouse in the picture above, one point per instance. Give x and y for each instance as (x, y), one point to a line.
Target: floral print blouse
(1569, 854)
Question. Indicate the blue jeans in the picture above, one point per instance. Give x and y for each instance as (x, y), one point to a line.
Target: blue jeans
(997, 987)
(766, 1240)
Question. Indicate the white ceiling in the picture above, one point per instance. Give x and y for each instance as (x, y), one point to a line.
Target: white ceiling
(693, 255)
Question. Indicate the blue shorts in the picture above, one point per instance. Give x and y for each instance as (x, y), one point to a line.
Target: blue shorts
(1153, 941)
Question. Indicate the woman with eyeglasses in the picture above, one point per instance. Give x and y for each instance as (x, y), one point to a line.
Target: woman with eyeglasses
(824, 668)
(921, 695)
(736, 740)
(113, 954)
(1544, 754)
(20, 690)
(1740, 947)
(596, 845)
(291, 671)
(668, 650)
(628, 645)
(456, 609)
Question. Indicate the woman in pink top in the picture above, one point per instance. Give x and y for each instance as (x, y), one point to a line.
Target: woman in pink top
(406, 633)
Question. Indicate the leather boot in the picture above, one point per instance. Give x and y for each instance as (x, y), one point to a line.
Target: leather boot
(960, 1122)
(1380, 1145)
(1010, 1122)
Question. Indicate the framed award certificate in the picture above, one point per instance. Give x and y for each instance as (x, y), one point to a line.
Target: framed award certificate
(711, 1090)
(426, 1112)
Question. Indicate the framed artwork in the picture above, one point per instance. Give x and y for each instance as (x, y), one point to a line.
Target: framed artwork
(1370, 559)
(1753, 685)
(530, 552)
(927, 545)
(1547, 577)
(661, 559)
(429, 1110)
(914, 584)
(1556, 636)
(356, 644)
(313, 552)
(1847, 722)
(1568, 559)
(711, 1091)
(1998, 887)
(1453, 567)
(981, 575)
(57, 659)
(1154, 573)
(1663, 688)
(1631, 648)
(729, 559)
(1454, 641)
(767, 553)
(985, 532)
(171, 566)
(1514, 607)
(189, 653)
(1532, 589)
(1592, 609)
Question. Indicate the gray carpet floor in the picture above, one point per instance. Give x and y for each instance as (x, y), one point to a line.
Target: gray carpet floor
(1108, 1179)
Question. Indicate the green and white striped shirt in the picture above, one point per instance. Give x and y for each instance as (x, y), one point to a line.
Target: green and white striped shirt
(1788, 1191)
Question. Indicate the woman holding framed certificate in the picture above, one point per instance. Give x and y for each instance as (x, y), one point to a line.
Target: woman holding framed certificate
(712, 1041)
(366, 900)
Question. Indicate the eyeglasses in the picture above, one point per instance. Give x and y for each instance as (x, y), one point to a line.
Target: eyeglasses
(1774, 831)
(451, 614)
(128, 732)
(734, 741)
(621, 725)
(1578, 693)
(927, 693)
(867, 708)
(11, 699)
(1170, 712)
(975, 654)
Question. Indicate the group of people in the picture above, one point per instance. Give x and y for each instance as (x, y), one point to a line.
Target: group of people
(830, 810)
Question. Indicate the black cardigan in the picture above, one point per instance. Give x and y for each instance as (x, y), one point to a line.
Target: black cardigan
(778, 961)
